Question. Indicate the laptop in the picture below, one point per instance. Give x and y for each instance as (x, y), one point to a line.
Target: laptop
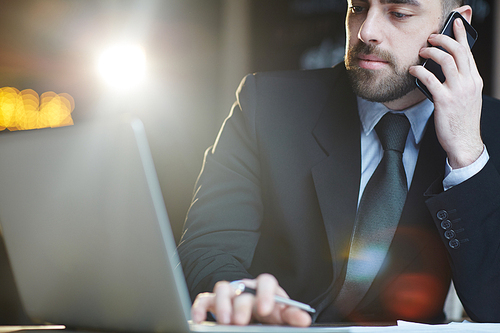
(87, 232)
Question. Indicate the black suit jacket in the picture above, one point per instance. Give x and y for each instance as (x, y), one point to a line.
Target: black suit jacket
(278, 194)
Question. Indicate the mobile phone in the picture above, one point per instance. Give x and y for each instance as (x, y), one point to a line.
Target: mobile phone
(431, 65)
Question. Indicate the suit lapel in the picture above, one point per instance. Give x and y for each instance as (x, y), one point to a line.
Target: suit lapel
(336, 178)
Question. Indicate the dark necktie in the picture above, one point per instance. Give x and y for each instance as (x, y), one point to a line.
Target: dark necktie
(378, 214)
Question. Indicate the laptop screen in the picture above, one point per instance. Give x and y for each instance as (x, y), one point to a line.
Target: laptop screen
(86, 229)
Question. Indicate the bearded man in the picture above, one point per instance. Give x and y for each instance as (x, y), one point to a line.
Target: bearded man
(345, 188)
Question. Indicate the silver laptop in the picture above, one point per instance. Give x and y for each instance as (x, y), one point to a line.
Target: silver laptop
(87, 232)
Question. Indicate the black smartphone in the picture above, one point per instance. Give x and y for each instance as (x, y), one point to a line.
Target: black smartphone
(431, 65)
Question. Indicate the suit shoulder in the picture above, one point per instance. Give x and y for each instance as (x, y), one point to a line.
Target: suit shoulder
(491, 104)
(316, 74)
(491, 111)
(490, 126)
(278, 82)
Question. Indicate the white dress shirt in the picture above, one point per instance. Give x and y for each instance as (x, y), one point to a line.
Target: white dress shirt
(371, 149)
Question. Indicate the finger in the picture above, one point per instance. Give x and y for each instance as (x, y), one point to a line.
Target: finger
(456, 60)
(458, 48)
(201, 305)
(250, 283)
(223, 301)
(428, 79)
(460, 32)
(281, 292)
(296, 317)
(242, 309)
(460, 67)
(267, 286)
(445, 60)
(462, 37)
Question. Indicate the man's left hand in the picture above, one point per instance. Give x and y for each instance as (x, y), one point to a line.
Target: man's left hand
(458, 100)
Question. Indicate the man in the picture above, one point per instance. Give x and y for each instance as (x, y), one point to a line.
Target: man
(279, 198)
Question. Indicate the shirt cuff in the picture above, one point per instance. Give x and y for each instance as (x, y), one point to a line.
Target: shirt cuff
(454, 177)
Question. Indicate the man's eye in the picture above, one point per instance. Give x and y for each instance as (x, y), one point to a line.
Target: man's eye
(356, 9)
(399, 15)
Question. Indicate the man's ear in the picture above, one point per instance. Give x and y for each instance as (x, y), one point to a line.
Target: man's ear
(466, 12)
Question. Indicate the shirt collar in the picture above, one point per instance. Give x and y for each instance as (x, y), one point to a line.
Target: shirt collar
(418, 115)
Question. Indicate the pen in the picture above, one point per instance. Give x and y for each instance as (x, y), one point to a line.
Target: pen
(241, 288)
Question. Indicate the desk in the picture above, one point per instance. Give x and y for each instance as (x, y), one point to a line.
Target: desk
(402, 327)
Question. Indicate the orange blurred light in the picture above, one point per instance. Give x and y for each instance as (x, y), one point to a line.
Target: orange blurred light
(25, 110)
(415, 296)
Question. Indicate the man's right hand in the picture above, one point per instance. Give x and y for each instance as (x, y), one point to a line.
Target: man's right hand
(230, 308)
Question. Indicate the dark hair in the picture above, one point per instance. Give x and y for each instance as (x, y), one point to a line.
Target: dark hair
(449, 5)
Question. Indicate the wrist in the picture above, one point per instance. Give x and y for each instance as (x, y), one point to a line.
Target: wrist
(465, 156)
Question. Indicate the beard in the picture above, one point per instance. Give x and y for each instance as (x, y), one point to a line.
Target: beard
(373, 85)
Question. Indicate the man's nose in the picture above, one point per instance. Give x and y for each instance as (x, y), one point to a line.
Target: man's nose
(371, 30)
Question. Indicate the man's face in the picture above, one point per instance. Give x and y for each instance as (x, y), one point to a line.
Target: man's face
(383, 41)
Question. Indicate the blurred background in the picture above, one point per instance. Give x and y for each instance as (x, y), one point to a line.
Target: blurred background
(194, 53)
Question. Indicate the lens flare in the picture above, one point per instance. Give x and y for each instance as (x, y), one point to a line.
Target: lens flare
(123, 66)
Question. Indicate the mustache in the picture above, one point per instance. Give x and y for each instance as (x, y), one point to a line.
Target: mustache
(366, 49)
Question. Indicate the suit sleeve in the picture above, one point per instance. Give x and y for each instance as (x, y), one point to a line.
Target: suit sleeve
(222, 226)
(468, 219)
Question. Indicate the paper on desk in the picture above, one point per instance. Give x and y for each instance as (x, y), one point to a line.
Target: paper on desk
(411, 327)
(465, 326)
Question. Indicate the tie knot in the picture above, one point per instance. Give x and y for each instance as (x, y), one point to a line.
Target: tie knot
(392, 131)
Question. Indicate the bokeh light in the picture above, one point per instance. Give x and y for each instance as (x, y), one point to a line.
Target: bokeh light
(25, 110)
(415, 296)
(123, 66)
